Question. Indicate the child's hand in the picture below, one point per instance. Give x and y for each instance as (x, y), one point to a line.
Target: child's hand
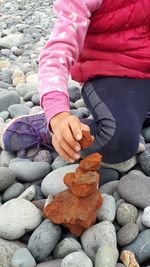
(67, 132)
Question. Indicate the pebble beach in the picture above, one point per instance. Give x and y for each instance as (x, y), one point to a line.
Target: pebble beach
(27, 238)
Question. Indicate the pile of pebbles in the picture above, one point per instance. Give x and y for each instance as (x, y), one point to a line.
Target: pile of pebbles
(27, 239)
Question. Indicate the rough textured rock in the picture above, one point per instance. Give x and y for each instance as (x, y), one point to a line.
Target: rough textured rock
(70, 210)
(128, 259)
(91, 162)
(86, 140)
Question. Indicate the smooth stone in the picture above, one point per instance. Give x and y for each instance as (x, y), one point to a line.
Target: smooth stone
(18, 77)
(23, 90)
(52, 263)
(109, 188)
(100, 234)
(13, 191)
(39, 203)
(80, 112)
(22, 258)
(123, 166)
(6, 157)
(4, 115)
(4, 85)
(74, 93)
(28, 194)
(80, 103)
(38, 193)
(44, 239)
(126, 213)
(139, 222)
(106, 256)
(11, 40)
(141, 246)
(43, 155)
(144, 160)
(53, 183)
(28, 95)
(116, 196)
(30, 171)
(77, 259)
(119, 202)
(22, 214)
(127, 234)
(146, 134)
(17, 159)
(7, 178)
(59, 162)
(6, 75)
(32, 79)
(29, 104)
(120, 265)
(107, 175)
(65, 247)
(146, 217)
(17, 110)
(107, 211)
(36, 99)
(7, 99)
(7, 249)
(35, 110)
(134, 188)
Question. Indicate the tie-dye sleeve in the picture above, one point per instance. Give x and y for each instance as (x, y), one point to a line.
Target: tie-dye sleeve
(64, 45)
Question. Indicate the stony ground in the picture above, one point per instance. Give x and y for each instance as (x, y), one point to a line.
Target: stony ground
(27, 239)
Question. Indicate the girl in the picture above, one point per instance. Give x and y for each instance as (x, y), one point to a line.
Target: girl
(105, 45)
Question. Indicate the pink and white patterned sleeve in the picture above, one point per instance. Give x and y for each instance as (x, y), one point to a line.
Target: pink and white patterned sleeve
(62, 51)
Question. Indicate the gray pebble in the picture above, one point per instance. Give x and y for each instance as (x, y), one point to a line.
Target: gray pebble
(65, 247)
(7, 99)
(6, 157)
(106, 256)
(13, 191)
(74, 93)
(139, 222)
(107, 211)
(76, 259)
(4, 115)
(107, 175)
(35, 99)
(109, 188)
(127, 234)
(44, 239)
(22, 257)
(126, 213)
(7, 178)
(51, 263)
(18, 110)
(146, 217)
(43, 155)
(59, 162)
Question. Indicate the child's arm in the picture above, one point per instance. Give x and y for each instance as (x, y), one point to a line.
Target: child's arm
(58, 55)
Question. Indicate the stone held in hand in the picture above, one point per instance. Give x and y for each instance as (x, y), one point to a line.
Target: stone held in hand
(91, 162)
(77, 213)
(86, 140)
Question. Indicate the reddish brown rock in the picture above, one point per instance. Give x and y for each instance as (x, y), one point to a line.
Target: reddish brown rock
(72, 211)
(91, 162)
(86, 140)
(82, 183)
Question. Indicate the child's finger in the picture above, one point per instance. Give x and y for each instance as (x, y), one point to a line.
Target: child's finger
(75, 126)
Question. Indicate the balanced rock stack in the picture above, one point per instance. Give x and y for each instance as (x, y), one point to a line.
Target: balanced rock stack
(77, 206)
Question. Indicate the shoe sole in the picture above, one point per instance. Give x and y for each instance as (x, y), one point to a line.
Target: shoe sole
(10, 123)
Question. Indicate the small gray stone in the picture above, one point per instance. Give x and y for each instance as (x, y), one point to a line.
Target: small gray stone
(107, 175)
(52, 263)
(22, 257)
(13, 191)
(139, 222)
(30, 171)
(126, 213)
(35, 99)
(109, 188)
(7, 99)
(18, 216)
(59, 162)
(19, 160)
(53, 183)
(119, 202)
(7, 249)
(18, 110)
(28, 95)
(141, 246)
(74, 93)
(6, 157)
(38, 193)
(4, 115)
(65, 247)
(76, 259)
(43, 155)
(11, 40)
(146, 216)
(106, 256)
(123, 166)
(80, 112)
(116, 196)
(146, 134)
(7, 178)
(44, 239)
(144, 160)
(6, 75)
(80, 103)
(127, 234)
(28, 194)
(107, 211)
(134, 188)
(98, 235)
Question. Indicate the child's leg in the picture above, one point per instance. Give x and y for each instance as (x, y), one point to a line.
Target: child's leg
(119, 107)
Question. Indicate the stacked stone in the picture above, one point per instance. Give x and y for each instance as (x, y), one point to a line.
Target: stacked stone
(76, 208)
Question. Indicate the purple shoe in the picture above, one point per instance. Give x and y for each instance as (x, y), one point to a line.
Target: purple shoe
(25, 132)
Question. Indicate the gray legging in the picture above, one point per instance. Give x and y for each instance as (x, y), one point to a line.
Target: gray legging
(119, 107)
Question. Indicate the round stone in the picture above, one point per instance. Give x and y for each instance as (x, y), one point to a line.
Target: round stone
(109, 188)
(7, 178)
(53, 183)
(106, 256)
(74, 93)
(76, 259)
(51, 263)
(6, 157)
(126, 213)
(127, 234)
(146, 134)
(59, 162)
(44, 240)
(22, 257)
(17, 110)
(108, 175)
(144, 160)
(13, 191)
(123, 166)
(43, 155)
(7, 99)
(65, 247)
(134, 188)
(22, 214)
(100, 234)
(30, 171)
(146, 216)
(139, 222)
(107, 211)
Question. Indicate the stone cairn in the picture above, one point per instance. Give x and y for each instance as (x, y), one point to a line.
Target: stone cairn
(76, 207)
